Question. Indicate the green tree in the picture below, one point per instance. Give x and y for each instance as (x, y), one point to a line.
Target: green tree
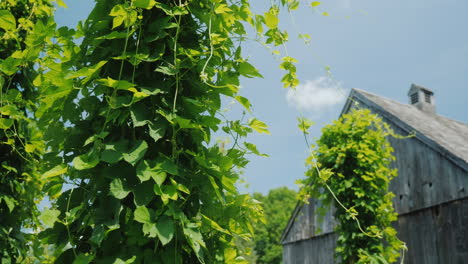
(277, 206)
(22, 33)
(350, 167)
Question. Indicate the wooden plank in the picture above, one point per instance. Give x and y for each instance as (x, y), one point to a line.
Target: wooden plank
(434, 235)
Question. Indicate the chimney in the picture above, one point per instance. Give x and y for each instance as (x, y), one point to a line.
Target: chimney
(422, 98)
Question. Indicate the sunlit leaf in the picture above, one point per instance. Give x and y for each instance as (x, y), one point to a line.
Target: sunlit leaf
(118, 190)
(142, 214)
(7, 20)
(147, 4)
(315, 3)
(55, 171)
(49, 217)
(259, 126)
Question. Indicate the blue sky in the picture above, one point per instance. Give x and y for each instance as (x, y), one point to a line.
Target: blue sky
(378, 46)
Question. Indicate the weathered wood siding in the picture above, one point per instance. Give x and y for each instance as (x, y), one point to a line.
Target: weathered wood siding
(307, 224)
(436, 235)
(425, 177)
(317, 250)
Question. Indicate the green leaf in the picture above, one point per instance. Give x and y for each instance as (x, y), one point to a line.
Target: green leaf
(97, 236)
(168, 70)
(111, 156)
(113, 151)
(244, 102)
(146, 4)
(118, 190)
(142, 215)
(121, 101)
(214, 225)
(7, 20)
(271, 19)
(62, 4)
(230, 255)
(170, 191)
(87, 72)
(83, 259)
(253, 149)
(120, 85)
(55, 171)
(248, 70)
(157, 131)
(315, 3)
(165, 229)
(167, 165)
(258, 126)
(120, 14)
(222, 8)
(10, 110)
(145, 171)
(182, 188)
(195, 239)
(143, 194)
(140, 114)
(128, 261)
(12, 95)
(29, 148)
(6, 123)
(136, 152)
(86, 161)
(49, 217)
(9, 66)
(294, 5)
(9, 202)
(304, 124)
(150, 229)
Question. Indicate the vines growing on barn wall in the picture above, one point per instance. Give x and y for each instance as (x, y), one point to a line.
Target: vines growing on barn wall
(351, 167)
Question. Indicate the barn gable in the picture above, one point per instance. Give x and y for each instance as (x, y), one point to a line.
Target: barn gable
(443, 135)
(433, 177)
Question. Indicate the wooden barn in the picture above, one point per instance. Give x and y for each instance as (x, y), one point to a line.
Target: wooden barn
(431, 188)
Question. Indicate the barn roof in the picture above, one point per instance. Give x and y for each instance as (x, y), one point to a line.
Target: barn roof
(444, 135)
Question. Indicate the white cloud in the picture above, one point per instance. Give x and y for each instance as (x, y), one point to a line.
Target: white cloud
(316, 95)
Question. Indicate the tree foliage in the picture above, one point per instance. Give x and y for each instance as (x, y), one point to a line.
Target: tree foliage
(128, 117)
(116, 131)
(350, 167)
(277, 206)
(22, 34)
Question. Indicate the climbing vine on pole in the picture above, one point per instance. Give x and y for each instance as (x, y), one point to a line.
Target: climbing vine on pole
(350, 167)
(133, 110)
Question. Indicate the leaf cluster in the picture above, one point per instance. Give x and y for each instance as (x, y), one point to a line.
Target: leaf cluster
(351, 167)
(129, 116)
(116, 131)
(22, 33)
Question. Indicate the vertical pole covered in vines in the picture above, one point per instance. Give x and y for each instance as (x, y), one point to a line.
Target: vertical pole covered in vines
(146, 185)
(23, 30)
